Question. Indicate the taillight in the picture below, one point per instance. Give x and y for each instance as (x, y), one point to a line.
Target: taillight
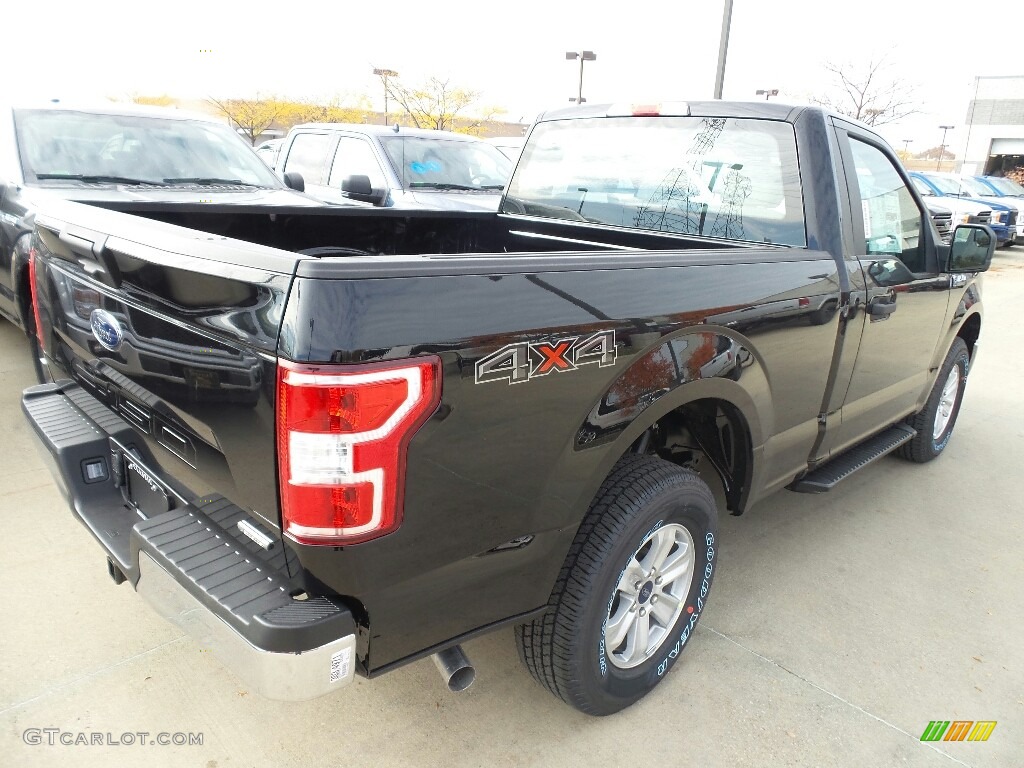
(342, 436)
(32, 291)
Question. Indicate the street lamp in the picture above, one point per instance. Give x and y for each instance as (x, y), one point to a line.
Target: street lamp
(582, 56)
(384, 74)
(906, 146)
(723, 48)
(942, 146)
(767, 93)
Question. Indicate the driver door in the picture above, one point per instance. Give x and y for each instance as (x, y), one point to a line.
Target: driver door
(902, 310)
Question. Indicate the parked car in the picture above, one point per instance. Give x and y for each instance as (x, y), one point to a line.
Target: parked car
(942, 218)
(1002, 186)
(114, 154)
(268, 151)
(510, 146)
(966, 210)
(1006, 211)
(472, 420)
(395, 167)
(1008, 192)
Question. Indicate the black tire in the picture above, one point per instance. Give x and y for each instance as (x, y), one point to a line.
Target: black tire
(926, 445)
(824, 313)
(643, 497)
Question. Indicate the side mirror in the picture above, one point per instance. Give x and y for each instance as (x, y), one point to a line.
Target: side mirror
(294, 180)
(971, 248)
(358, 187)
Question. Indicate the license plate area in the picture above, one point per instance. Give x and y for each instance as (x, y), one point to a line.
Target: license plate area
(147, 494)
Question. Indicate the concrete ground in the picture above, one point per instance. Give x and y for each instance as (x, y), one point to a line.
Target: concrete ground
(839, 626)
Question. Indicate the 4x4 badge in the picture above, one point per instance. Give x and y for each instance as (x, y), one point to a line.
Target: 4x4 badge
(518, 363)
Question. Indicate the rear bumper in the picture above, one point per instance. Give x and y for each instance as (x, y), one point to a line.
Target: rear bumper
(184, 562)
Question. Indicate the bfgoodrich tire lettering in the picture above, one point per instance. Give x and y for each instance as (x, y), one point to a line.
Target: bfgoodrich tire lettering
(934, 423)
(565, 650)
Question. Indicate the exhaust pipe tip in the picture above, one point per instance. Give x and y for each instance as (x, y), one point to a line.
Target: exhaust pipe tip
(456, 671)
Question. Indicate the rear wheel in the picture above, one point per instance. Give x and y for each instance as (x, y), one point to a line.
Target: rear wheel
(631, 591)
(934, 423)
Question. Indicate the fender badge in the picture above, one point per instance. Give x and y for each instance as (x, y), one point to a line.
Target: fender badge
(106, 329)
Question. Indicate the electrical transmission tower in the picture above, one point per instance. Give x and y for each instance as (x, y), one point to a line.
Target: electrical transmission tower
(675, 205)
(729, 221)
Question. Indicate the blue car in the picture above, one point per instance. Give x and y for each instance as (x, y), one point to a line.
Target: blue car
(1001, 218)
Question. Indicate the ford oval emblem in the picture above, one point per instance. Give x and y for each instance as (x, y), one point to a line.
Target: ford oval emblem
(106, 329)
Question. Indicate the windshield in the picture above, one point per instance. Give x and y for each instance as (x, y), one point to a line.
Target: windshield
(428, 163)
(944, 185)
(1005, 186)
(728, 178)
(976, 187)
(64, 144)
(921, 187)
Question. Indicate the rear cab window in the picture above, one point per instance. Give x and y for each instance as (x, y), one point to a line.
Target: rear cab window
(736, 179)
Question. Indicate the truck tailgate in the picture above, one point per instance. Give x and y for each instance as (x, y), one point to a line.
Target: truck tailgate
(163, 392)
(177, 340)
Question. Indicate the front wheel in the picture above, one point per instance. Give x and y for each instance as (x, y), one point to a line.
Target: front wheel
(934, 423)
(631, 591)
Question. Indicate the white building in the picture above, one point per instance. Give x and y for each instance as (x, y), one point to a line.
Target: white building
(994, 127)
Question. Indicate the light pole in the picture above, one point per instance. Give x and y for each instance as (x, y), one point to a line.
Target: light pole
(906, 146)
(723, 49)
(766, 93)
(384, 74)
(942, 146)
(582, 56)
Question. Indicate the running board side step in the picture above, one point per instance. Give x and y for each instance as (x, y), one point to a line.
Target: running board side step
(827, 476)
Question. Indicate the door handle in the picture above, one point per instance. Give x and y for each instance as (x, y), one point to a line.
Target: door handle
(882, 309)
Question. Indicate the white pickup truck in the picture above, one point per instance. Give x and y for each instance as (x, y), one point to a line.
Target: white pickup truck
(395, 167)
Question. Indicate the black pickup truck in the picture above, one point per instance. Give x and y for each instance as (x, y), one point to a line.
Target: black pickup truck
(330, 442)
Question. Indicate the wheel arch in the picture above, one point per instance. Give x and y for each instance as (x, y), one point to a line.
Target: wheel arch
(726, 432)
(19, 281)
(969, 331)
(722, 402)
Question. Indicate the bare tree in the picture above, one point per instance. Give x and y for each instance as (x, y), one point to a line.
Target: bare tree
(434, 104)
(867, 93)
(252, 116)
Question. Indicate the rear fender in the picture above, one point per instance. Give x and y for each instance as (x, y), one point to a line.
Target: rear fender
(694, 365)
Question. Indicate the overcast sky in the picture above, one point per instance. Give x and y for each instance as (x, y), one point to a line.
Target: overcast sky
(512, 52)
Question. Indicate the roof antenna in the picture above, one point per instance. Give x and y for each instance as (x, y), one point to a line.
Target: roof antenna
(395, 128)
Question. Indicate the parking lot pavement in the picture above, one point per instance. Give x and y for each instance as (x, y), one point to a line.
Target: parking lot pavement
(840, 625)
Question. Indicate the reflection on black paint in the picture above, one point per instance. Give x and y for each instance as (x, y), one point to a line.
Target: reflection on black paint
(702, 355)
